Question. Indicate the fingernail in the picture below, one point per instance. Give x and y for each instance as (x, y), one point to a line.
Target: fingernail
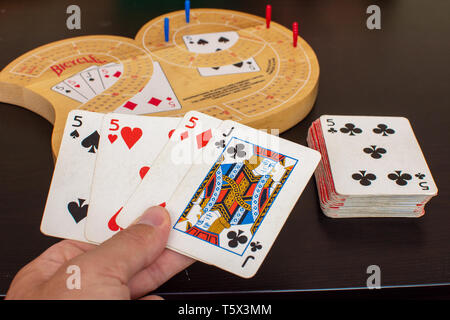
(154, 216)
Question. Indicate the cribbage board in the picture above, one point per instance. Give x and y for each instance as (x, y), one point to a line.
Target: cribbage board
(276, 95)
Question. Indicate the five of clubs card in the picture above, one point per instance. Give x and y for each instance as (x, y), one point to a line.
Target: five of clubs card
(228, 188)
(372, 166)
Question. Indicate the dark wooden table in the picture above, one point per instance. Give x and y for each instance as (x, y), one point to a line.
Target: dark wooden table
(401, 70)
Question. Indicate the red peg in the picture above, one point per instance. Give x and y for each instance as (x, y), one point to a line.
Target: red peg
(295, 33)
(268, 15)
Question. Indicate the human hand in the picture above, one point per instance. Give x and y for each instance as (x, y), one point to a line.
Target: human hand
(127, 266)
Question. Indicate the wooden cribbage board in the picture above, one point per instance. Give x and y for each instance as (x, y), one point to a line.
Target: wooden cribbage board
(277, 97)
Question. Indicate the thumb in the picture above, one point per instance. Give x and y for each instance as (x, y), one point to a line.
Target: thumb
(134, 248)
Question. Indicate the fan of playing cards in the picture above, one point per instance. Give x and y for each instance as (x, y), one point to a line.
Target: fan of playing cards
(228, 188)
(90, 82)
(371, 167)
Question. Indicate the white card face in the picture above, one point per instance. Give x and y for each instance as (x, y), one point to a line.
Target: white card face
(192, 135)
(68, 197)
(126, 153)
(246, 66)
(210, 42)
(156, 96)
(66, 90)
(110, 74)
(93, 79)
(375, 156)
(76, 82)
(229, 209)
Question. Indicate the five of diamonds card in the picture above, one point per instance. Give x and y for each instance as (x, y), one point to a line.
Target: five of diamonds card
(228, 188)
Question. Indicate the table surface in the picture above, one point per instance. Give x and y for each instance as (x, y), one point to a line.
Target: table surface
(400, 70)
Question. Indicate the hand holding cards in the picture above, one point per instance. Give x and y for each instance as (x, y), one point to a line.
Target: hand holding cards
(229, 188)
(371, 167)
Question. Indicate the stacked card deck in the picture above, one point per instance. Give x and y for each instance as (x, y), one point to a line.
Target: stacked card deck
(371, 167)
(228, 188)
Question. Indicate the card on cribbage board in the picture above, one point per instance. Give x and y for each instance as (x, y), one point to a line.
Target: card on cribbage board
(371, 167)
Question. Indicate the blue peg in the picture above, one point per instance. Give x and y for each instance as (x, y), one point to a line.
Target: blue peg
(187, 8)
(166, 29)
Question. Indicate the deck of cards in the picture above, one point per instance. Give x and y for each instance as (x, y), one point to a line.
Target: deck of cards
(371, 167)
(228, 188)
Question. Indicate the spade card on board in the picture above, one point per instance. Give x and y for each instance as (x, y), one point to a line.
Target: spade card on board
(92, 77)
(246, 66)
(210, 42)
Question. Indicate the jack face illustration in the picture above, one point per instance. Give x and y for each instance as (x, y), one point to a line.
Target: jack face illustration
(235, 196)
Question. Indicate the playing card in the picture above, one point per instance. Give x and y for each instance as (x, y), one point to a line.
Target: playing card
(68, 198)
(93, 79)
(391, 201)
(246, 66)
(210, 42)
(126, 153)
(228, 210)
(76, 82)
(156, 96)
(375, 156)
(110, 74)
(66, 90)
(193, 133)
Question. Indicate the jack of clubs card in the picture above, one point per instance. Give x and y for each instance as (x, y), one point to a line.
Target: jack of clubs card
(235, 196)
